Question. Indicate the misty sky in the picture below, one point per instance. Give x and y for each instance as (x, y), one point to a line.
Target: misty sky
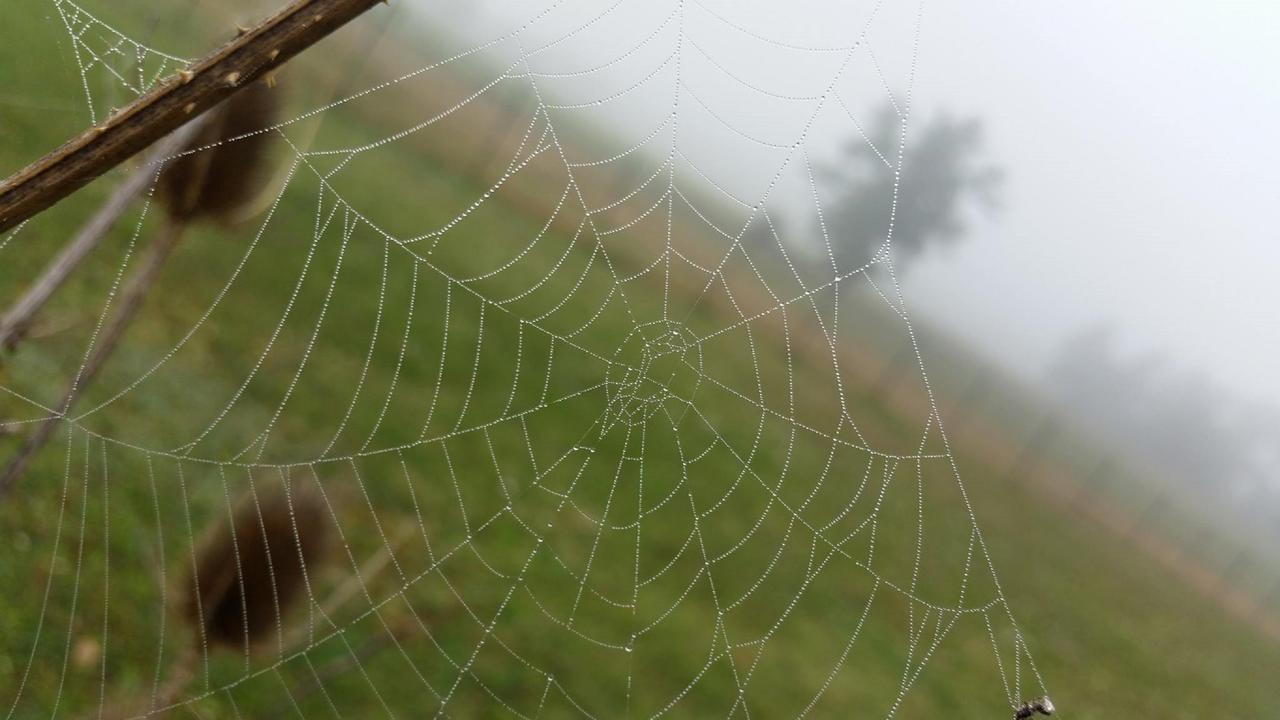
(1144, 184)
(1138, 138)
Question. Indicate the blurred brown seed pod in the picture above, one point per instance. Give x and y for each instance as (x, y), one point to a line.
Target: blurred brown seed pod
(214, 182)
(251, 570)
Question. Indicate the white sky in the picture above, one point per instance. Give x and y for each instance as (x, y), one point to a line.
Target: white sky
(1139, 140)
(1144, 177)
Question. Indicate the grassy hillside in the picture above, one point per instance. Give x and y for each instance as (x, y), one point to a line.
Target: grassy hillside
(565, 480)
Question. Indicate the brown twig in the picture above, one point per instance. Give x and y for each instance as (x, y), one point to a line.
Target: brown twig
(192, 91)
(17, 321)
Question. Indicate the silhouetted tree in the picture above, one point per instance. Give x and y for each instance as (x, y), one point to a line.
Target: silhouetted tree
(941, 172)
(1177, 419)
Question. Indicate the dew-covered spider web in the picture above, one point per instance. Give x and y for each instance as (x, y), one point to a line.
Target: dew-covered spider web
(543, 314)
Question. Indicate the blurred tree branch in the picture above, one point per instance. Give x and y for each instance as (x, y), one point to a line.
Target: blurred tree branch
(15, 323)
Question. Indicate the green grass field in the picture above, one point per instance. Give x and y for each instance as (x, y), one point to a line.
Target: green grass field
(586, 510)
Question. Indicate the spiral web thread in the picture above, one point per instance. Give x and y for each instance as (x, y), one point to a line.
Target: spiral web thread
(601, 464)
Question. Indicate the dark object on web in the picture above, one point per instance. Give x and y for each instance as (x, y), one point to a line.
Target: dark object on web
(1043, 705)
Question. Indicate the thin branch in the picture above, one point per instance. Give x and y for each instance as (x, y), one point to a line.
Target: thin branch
(181, 672)
(356, 583)
(130, 302)
(17, 321)
(208, 82)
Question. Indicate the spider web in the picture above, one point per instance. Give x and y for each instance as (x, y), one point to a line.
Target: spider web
(588, 411)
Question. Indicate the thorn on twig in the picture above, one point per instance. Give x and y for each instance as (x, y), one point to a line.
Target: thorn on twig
(1043, 705)
(186, 76)
(232, 78)
(189, 108)
(241, 31)
(273, 54)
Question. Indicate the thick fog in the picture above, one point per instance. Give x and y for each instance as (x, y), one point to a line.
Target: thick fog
(1126, 262)
(1138, 143)
(1143, 189)
(1136, 252)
